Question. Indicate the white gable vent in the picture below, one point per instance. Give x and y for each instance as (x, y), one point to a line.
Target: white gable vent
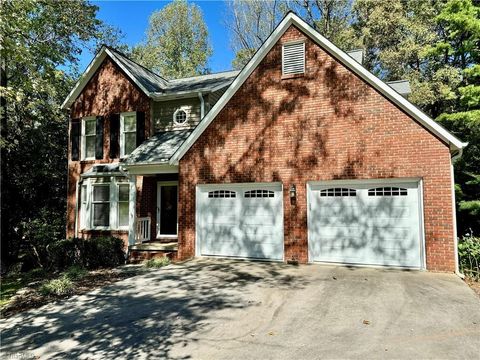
(293, 58)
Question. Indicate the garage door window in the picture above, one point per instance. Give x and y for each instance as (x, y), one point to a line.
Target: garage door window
(222, 194)
(259, 194)
(338, 192)
(387, 191)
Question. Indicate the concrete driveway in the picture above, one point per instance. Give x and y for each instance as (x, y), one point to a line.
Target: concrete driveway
(220, 309)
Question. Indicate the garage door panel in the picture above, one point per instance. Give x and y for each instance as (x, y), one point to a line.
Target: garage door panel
(247, 224)
(380, 224)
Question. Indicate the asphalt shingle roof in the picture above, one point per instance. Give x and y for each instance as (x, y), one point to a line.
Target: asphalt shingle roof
(158, 149)
(154, 83)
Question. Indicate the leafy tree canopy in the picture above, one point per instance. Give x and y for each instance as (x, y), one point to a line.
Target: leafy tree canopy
(177, 42)
(40, 44)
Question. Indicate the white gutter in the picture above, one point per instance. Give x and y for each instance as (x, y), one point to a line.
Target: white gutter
(202, 105)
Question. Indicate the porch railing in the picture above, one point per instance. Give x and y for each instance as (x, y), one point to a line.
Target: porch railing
(143, 229)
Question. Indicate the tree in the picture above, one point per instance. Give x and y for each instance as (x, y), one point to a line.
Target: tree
(252, 21)
(459, 47)
(177, 42)
(40, 40)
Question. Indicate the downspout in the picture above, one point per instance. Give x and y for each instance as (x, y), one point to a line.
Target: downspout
(202, 105)
(454, 213)
(76, 208)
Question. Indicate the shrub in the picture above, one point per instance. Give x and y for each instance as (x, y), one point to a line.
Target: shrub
(75, 272)
(61, 286)
(105, 251)
(94, 253)
(66, 252)
(157, 263)
(469, 256)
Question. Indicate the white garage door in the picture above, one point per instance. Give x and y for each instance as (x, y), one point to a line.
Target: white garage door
(240, 220)
(369, 223)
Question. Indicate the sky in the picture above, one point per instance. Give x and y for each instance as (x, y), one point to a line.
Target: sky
(132, 18)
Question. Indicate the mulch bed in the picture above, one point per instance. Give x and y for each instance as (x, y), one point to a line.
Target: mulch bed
(474, 285)
(30, 298)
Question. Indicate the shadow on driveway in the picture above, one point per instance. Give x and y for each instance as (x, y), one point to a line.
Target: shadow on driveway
(208, 309)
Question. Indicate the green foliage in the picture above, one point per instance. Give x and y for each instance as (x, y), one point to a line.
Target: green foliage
(75, 272)
(103, 252)
(40, 41)
(94, 253)
(458, 46)
(60, 287)
(177, 42)
(252, 21)
(157, 262)
(469, 256)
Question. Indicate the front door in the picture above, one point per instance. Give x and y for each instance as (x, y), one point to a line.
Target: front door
(167, 200)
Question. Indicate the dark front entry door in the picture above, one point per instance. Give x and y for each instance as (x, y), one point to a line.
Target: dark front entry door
(168, 200)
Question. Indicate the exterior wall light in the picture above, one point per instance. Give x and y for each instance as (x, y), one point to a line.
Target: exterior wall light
(293, 191)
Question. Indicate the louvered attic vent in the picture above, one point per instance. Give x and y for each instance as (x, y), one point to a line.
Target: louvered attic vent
(293, 58)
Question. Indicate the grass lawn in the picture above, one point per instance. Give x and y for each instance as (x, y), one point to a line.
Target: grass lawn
(10, 284)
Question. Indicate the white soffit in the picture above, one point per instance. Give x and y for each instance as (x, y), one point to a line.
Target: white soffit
(344, 58)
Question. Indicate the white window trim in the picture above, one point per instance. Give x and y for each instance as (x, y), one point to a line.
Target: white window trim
(83, 138)
(92, 202)
(187, 116)
(118, 184)
(302, 41)
(122, 132)
(87, 211)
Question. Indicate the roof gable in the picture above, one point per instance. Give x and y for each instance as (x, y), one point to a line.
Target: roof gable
(153, 85)
(387, 91)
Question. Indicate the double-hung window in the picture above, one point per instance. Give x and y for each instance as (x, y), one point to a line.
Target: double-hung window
(105, 203)
(101, 205)
(128, 133)
(123, 201)
(88, 138)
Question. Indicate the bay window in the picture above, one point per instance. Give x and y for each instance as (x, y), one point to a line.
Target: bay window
(104, 203)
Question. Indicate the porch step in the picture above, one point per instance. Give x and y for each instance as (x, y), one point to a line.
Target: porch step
(146, 251)
(155, 246)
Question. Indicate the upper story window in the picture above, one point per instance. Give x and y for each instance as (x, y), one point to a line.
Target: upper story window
(293, 58)
(88, 138)
(128, 133)
(180, 117)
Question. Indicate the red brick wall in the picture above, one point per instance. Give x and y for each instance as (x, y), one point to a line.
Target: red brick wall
(109, 91)
(326, 125)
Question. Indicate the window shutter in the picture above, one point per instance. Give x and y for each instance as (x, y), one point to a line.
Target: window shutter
(99, 138)
(75, 140)
(293, 58)
(140, 127)
(114, 136)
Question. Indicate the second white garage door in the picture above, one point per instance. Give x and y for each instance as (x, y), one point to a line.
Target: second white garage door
(240, 220)
(365, 223)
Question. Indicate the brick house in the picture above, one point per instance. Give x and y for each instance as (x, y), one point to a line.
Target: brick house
(303, 155)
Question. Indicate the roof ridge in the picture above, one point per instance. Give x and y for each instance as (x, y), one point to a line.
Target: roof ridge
(197, 76)
(136, 63)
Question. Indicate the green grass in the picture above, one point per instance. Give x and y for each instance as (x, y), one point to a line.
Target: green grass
(14, 282)
(157, 263)
(61, 286)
